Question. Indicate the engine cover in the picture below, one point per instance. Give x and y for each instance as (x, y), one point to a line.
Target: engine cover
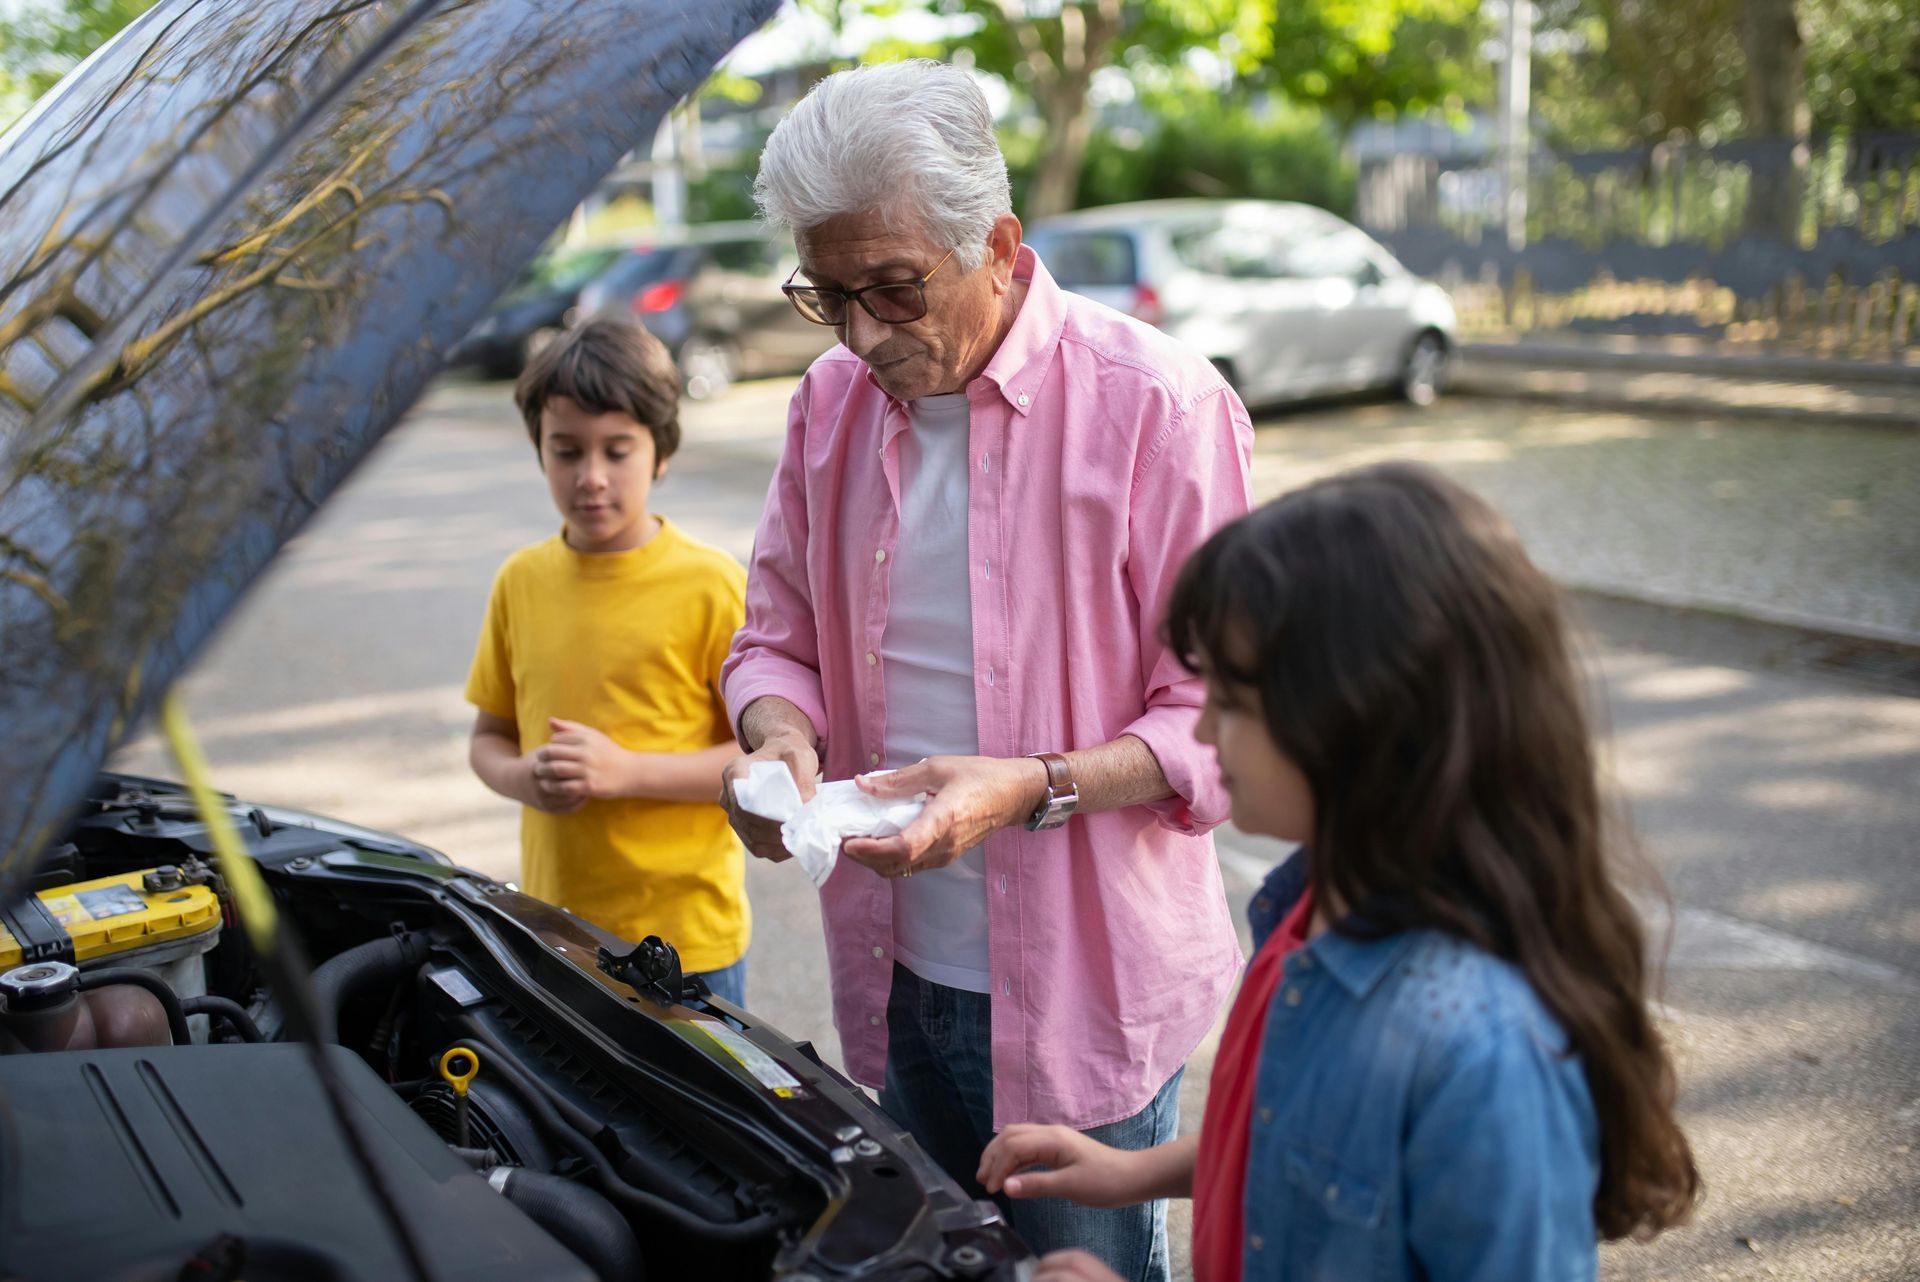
(132, 1162)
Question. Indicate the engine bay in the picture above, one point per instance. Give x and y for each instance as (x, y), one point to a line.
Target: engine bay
(536, 1097)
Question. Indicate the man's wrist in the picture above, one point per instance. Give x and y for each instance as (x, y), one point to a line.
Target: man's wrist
(1033, 790)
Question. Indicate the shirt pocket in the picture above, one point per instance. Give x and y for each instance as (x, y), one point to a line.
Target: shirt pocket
(1332, 1219)
(1343, 1196)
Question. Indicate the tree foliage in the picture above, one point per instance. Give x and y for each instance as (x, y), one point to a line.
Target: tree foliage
(46, 39)
(1378, 58)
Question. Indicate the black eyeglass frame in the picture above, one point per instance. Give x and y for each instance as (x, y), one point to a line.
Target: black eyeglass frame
(793, 291)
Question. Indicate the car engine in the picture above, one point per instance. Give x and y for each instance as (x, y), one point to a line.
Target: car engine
(531, 1097)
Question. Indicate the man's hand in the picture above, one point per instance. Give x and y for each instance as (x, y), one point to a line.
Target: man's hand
(1073, 1266)
(968, 797)
(1083, 1170)
(581, 762)
(761, 836)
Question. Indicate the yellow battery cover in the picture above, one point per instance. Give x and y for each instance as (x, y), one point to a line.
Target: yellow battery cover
(116, 915)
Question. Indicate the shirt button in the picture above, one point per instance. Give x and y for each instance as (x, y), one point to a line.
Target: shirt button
(1266, 1114)
(1006, 988)
(989, 676)
(1256, 1241)
(1022, 398)
(985, 462)
(873, 758)
(874, 1020)
(1293, 996)
(1003, 883)
(1303, 961)
(879, 951)
(989, 567)
(872, 659)
(1333, 1192)
(880, 555)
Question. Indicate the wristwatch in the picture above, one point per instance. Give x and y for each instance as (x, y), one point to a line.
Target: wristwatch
(1062, 794)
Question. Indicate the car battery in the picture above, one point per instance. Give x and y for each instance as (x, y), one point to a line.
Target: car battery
(150, 919)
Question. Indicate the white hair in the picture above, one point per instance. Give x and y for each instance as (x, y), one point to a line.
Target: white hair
(911, 141)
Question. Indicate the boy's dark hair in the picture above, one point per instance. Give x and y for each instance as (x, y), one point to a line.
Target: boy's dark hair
(606, 365)
(1415, 665)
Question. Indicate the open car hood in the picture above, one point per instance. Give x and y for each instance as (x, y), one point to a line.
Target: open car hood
(234, 245)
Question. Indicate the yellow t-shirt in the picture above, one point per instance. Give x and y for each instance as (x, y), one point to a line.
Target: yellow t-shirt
(631, 644)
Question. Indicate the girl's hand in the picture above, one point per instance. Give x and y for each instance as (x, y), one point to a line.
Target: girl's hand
(1083, 1170)
(580, 764)
(1073, 1266)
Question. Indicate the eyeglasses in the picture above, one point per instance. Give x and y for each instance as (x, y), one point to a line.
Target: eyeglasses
(893, 303)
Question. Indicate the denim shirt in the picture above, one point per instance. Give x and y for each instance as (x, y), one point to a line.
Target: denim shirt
(1416, 1116)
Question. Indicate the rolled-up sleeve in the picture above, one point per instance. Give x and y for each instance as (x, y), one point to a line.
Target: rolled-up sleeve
(777, 650)
(1193, 479)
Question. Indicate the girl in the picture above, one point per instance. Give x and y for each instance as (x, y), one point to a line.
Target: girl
(1441, 1063)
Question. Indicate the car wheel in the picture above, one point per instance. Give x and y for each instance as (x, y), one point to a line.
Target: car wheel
(709, 366)
(1425, 373)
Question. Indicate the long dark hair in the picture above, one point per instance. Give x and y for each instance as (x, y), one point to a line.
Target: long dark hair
(1414, 664)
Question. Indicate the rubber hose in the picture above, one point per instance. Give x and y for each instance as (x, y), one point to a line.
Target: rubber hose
(502, 1066)
(337, 978)
(224, 1008)
(583, 1221)
(176, 1018)
(571, 1113)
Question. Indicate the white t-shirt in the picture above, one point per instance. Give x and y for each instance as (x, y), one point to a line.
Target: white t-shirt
(939, 916)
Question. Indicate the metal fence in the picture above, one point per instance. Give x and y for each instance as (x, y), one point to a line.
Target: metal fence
(1811, 245)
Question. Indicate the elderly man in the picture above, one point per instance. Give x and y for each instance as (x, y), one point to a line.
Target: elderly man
(985, 496)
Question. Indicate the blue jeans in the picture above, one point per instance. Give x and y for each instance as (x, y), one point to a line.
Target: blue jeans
(939, 1086)
(729, 982)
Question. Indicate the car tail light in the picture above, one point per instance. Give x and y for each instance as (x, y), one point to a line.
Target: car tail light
(1146, 304)
(658, 298)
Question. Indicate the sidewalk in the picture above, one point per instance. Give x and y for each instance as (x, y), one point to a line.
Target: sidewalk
(1678, 376)
(1810, 523)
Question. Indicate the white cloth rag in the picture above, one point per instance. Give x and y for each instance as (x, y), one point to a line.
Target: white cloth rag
(812, 832)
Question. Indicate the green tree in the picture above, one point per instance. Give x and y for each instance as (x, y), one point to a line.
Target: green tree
(1353, 58)
(1356, 59)
(1863, 64)
(48, 38)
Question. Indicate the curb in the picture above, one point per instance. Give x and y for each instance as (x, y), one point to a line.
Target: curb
(1885, 405)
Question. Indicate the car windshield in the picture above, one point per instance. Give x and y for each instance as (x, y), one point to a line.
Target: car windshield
(643, 266)
(1082, 259)
(564, 271)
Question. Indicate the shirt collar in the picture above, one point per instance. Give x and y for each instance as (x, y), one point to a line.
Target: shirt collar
(1021, 361)
(1358, 962)
(1026, 353)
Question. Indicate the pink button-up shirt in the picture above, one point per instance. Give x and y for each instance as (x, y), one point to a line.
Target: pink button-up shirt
(1102, 453)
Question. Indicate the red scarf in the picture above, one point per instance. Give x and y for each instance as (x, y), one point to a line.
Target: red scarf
(1220, 1170)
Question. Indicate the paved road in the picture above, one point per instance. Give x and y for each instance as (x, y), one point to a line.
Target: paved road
(1777, 794)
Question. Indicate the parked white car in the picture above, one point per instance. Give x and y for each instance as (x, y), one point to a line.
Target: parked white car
(1288, 300)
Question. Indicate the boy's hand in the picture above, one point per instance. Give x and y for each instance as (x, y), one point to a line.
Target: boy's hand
(1083, 1170)
(580, 762)
(761, 836)
(554, 796)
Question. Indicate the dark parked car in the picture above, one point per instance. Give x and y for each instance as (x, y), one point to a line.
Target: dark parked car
(711, 293)
(234, 247)
(533, 311)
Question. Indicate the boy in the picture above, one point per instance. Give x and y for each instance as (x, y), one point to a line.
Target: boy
(597, 674)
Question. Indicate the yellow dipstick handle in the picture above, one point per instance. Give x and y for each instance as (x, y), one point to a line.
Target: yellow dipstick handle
(458, 1067)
